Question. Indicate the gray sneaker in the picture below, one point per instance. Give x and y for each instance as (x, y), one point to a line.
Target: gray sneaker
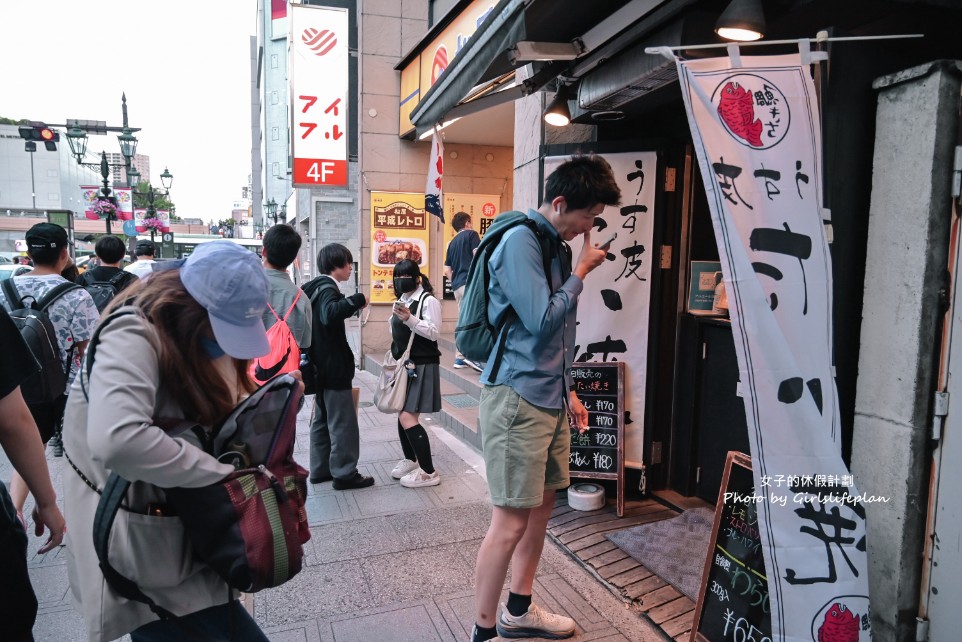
(536, 623)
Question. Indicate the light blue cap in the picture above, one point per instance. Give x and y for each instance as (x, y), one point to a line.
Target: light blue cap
(229, 281)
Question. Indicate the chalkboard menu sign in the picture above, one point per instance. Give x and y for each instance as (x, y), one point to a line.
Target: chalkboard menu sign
(599, 452)
(733, 600)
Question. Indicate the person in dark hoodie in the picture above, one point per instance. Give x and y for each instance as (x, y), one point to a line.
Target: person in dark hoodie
(335, 437)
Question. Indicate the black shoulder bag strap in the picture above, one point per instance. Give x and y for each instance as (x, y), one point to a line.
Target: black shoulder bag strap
(54, 294)
(111, 498)
(510, 316)
(11, 294)
(116, 279)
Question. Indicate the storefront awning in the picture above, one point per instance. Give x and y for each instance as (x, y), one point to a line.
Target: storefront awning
(475, 63)
(551, 34)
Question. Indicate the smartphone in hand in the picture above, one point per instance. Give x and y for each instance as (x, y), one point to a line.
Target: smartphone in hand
(604, 245)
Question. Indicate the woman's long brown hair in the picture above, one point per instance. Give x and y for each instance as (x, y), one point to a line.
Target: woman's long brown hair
(186, 371)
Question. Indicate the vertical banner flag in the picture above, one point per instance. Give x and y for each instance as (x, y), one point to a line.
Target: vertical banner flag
(756, 130)
(278, 19)
(399, 230)
(432, 189)
(88, 196)
(319, 100)
(125, 201)
(614, 307)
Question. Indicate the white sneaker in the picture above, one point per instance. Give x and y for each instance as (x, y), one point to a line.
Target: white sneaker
(536, 623)
(418, 478)
(403, 467)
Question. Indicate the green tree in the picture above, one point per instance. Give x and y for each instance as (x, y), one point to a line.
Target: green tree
(161, 201)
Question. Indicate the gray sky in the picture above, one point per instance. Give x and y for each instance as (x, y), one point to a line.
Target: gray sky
(184, 66)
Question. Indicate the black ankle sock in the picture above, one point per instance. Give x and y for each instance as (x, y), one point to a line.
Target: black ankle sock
(518, 604)
(406, 443)
(422, 446)
(483, 633)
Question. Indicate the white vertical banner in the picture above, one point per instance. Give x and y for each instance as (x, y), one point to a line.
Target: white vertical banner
(125, 203)
(614, 307)
(756, 130)
(433, 189)
(319, 101)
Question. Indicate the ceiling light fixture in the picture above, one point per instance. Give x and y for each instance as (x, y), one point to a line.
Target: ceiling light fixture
(742, 20)
(557, 112)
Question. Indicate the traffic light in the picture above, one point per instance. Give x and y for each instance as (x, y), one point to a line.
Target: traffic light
(37, 131)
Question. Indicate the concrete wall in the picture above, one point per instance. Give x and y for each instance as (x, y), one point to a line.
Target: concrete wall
(388, 30)
(917, 126)
(388, 163)
(530, 133)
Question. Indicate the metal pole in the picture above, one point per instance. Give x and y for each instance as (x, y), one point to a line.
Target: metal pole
(105, 172)
(33, 189)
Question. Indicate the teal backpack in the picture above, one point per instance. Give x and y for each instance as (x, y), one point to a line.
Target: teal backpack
(474, 334)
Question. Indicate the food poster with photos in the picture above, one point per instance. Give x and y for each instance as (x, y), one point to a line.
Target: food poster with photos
(482, 208)
(614, 307)
(756, 131)
(399, 230)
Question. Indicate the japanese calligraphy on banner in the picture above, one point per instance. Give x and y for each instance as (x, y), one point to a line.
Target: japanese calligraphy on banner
(482, 208)
(319, 85)
(614, 307)
(399, 230)
(758, 138)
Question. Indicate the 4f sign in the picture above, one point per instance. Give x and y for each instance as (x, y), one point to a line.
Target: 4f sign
(319, 95)
(312, 171)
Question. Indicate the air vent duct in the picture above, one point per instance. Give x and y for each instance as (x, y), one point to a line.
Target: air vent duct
(632, 74)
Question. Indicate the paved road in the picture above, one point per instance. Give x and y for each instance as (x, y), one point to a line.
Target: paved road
(385, 562)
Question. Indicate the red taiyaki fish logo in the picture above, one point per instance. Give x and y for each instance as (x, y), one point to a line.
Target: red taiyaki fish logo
(737, 111)
(840, 625)
(752, 109)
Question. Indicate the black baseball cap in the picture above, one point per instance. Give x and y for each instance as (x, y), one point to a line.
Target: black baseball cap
(144, 247)
(45, 235)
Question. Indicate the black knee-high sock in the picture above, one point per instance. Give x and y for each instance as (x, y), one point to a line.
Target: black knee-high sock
(406, 443)
(422, 446)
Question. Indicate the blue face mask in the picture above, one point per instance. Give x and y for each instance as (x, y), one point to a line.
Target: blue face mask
(212, 348)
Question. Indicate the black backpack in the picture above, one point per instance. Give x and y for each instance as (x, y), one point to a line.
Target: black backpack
(103, 292)
(37, 330)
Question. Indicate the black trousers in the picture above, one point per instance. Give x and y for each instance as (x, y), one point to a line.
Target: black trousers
(18, 604)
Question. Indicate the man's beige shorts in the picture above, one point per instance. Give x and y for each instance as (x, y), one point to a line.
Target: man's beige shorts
(526, 448)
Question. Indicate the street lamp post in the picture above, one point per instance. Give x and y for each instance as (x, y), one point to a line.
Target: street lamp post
(271, 208)
(77, 139)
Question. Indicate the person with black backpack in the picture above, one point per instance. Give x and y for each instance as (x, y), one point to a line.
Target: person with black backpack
(57, 319)
(106, 280)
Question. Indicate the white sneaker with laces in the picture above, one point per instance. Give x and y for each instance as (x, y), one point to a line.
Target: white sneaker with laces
(418, 478)
(403, 467)
(536, 623)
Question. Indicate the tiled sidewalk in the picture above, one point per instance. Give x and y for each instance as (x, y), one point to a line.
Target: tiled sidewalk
(385, 562)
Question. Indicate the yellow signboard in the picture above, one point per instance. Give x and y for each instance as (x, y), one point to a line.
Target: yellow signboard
(482, 208)
(399, 230)
(435, 57)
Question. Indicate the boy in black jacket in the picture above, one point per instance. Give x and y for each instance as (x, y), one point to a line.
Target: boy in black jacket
(335, 438)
